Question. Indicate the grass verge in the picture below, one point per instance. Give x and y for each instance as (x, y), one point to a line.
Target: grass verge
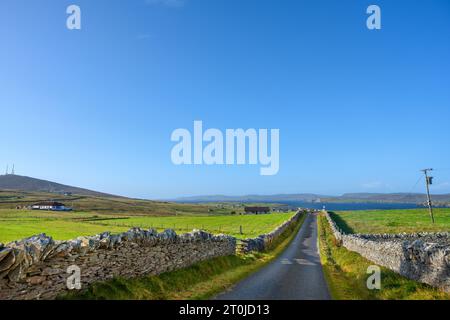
(200, 281)
(345, 272)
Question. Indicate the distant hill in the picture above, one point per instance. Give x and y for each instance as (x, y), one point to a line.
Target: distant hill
(19, 192)
(416, 198)
(395, 197)
(23, 183)
(306, 197)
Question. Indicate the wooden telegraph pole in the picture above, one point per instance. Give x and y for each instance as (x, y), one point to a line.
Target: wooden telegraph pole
(428, 181)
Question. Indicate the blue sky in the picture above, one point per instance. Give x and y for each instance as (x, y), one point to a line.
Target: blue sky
(358, 110)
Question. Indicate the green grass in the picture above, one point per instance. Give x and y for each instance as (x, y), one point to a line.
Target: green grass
(346, 275)
(252, 225)
(200, 281)
(10, 199)
(113, 205)
(392, 221)
(18, 224)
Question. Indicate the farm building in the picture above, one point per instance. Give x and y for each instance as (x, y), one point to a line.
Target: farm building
(51, 206)
(257, 210)
(283, 209)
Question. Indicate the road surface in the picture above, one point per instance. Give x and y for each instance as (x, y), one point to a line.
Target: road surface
(296, 274)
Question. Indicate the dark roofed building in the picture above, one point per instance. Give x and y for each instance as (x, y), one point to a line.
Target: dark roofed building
(256, 210)
(282, 209)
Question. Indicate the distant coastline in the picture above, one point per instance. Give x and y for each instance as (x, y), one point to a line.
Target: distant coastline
(348, 201)
(338, 206)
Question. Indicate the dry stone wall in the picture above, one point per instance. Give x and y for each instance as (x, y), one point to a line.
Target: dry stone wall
(264, 241)
(424, 257)
(36, 267)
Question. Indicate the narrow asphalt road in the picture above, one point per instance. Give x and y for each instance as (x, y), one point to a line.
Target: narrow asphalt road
(296, 274)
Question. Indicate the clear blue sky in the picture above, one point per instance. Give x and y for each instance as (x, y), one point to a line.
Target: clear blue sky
(358, 110)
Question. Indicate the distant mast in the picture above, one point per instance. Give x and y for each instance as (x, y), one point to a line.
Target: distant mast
(12, 172)
(6, 173)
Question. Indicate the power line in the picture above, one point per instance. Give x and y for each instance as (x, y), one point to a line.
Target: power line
(415, 185)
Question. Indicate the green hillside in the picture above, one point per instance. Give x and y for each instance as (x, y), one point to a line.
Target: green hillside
(109, 205)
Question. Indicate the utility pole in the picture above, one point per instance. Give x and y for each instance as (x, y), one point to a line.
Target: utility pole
(428, 181)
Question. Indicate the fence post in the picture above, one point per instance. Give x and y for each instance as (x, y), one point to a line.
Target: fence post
(240, 229)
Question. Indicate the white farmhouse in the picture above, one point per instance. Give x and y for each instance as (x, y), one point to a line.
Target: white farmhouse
(51, 206)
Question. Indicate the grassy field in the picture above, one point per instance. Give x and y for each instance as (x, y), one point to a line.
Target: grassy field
(115, 205)
(392, 221)
(200, 281)
(18, 224)
(120, 205)
(346, 275)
